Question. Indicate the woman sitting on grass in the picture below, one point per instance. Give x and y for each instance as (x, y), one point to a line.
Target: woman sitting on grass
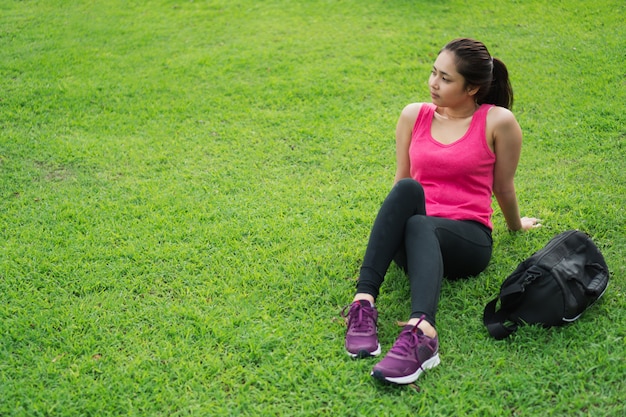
(452, 154)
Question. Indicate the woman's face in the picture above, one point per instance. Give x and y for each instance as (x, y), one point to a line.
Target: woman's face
(447, 86)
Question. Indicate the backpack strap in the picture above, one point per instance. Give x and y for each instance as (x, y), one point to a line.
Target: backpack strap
(494, 321)
(598, 284)
(511, 296)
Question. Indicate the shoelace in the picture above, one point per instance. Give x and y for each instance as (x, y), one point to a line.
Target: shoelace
(407, 342)
(360, 319)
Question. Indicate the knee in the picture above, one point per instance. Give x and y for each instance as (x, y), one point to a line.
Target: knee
(418, 224)
(408, 186)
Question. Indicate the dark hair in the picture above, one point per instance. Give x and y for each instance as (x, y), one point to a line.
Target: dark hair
(481, 70)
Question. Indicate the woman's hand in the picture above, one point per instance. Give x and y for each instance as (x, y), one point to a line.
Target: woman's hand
(530, 223)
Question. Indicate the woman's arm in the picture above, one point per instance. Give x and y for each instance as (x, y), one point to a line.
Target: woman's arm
(507, 143)
(404, 130)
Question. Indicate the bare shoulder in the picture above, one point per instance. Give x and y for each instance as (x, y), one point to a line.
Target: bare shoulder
(409, 115)
(499, 117)
(502, 126)
(502, 129)
(411, 110)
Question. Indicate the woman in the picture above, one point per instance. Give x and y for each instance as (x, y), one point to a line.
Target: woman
(452, 155)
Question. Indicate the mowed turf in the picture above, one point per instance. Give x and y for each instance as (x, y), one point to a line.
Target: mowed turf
(187, 188)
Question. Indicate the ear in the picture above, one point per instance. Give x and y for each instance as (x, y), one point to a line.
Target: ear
(472, 90)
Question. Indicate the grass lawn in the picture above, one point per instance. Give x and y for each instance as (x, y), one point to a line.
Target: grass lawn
(187, 188)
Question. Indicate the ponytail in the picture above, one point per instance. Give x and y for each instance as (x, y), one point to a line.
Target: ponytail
(500, 91)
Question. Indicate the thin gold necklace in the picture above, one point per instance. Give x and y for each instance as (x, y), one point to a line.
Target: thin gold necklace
(447, 116)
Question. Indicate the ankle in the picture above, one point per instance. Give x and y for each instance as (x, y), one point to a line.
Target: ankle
(364, 296)
(427, 328)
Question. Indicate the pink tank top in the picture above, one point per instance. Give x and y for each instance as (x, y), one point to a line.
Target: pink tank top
(457, 178)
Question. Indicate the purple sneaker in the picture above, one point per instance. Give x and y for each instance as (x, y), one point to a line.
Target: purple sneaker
(411, 355)
(362, 334)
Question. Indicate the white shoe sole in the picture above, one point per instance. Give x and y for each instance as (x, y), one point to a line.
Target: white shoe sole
(365, 353)
(401, 380)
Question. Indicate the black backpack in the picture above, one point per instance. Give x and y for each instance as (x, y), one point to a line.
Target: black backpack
(551, 288)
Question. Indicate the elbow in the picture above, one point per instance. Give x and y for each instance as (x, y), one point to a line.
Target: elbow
(503, 190)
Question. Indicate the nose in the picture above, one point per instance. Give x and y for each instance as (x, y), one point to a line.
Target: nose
(432, 83)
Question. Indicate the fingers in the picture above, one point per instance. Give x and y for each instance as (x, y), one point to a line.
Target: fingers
(530, 223)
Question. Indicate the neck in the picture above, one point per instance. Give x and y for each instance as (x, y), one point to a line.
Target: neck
(462, 112)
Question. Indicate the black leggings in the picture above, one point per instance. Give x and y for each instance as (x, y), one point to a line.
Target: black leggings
(427, 248)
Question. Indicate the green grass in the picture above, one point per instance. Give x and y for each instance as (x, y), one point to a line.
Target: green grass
(187, 189)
